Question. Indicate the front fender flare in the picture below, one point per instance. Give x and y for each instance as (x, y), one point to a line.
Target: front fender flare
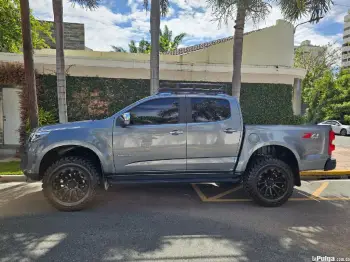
(102, 158)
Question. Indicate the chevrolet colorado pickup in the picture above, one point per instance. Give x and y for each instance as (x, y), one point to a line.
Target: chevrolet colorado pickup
(187, 135)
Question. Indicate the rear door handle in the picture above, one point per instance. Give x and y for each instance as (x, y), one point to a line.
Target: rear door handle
(176, 132)
(230, 130)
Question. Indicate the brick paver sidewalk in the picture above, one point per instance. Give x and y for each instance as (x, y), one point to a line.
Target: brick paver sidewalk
(342, 155)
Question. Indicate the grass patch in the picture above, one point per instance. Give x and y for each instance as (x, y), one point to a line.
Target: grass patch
(10, 168)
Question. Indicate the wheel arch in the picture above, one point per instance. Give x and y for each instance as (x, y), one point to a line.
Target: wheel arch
(279, 151)
(57, 151)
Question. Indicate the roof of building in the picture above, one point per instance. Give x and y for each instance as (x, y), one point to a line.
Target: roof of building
(193, 48)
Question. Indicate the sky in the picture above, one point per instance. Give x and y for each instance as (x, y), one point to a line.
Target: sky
(116, 22)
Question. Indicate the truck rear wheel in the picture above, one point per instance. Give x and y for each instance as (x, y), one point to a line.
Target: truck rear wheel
(269, 181)
(70, 183)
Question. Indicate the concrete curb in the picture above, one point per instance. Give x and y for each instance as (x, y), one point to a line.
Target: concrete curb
(337, 172)
(14, 178)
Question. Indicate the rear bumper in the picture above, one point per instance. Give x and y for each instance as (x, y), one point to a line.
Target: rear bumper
(331, 163)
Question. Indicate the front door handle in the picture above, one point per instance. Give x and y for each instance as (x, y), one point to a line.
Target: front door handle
(176, 132)
(230, 130)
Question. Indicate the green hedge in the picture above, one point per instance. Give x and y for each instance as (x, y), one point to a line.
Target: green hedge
(268, 104)
(94, 97)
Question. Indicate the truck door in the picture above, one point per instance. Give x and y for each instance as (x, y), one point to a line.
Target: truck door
(155, 140)
(214, 132)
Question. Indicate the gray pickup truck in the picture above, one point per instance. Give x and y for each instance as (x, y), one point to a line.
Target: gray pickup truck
(177, 135)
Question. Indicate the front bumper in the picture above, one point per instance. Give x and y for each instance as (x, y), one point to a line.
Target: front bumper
(331, 164)
(28, 165)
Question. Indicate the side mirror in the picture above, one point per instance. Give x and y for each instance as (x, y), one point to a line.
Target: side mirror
(124, 119)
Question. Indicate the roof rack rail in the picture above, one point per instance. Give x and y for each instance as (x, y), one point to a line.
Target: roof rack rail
(192, 90)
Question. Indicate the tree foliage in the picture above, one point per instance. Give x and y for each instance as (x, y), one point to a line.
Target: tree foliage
(166, 43)
(320, 85)
(10, 28)
(330, 97)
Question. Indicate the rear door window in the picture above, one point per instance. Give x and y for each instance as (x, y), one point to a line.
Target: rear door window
(209, 109)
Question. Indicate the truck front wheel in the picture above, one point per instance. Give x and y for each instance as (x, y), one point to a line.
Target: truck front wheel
(70, 183)
(269, 181)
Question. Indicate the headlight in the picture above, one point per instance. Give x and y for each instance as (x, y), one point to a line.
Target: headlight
(36, 135)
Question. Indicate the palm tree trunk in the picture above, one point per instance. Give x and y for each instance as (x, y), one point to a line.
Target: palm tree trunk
(60, 64)
(238, 51)
(30, 88)
(154, 61)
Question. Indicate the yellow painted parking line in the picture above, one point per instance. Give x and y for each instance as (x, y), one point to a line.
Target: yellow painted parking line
(199, 193)
(217, 198)
(319, 190)
(325, 173)
(225, 193)
(291, 199)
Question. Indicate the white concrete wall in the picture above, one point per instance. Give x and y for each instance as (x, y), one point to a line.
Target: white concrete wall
(265, 60)
(270, 46)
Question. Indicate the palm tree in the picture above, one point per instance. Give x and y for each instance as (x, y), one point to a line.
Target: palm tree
(166, 43)
(30, 88)
(242, 10)
(158, 7)
(57, 6)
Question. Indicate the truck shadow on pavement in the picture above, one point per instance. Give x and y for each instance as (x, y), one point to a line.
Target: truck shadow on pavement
(168, 224)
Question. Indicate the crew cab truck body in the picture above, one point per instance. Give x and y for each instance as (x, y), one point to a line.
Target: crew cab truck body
(174, 136)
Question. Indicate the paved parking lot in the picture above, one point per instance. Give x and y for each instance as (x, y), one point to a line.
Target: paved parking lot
(172, 223)
(342, 141)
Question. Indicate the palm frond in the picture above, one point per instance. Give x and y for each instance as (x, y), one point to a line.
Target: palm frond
(132, 47)
(167, 33)
(164, 7)
(118, 49)
(88, 4)
(145, 4)
(225, 10)
(293, 10)
(178, 39)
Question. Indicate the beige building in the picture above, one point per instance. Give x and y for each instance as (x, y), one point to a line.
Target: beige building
(267, 58)
(346, 42)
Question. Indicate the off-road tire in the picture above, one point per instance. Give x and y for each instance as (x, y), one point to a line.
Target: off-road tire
(250, 180)
(84, 165)
(343, 132)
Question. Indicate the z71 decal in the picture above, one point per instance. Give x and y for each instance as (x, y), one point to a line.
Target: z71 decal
(311, 135)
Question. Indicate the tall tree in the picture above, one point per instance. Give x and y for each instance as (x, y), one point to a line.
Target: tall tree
(241, 10)
(319, 62)
(166, 43)
(143, 47)
(158, 8)
(11, 28)
(29, 65)
(57, 6)
(329, 98)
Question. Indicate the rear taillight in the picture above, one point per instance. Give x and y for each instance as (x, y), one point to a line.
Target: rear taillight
(331, 146)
